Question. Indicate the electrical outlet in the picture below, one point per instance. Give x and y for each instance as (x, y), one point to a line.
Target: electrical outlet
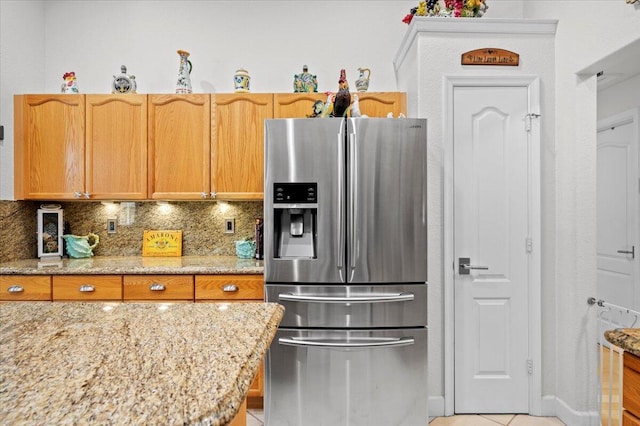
(112, 225)
(229, 226)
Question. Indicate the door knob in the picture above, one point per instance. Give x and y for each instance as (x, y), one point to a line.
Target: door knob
(465, 266)
(632, 252)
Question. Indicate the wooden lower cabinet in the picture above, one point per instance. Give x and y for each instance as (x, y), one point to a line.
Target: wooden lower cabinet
(235, 288)
(25, 287)
(87, 288)
(631, 390)
(158, 288)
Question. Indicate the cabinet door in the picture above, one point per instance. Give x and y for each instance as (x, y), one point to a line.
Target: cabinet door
(116, 157)
(87, 287)
(379, 104)
(238, 144)
(295, 105)
(158, 287)
(49, 146)
(25, 287)
(179, 146)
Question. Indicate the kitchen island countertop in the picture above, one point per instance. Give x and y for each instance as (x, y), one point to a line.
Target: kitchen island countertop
(135, 265)
(627, 339)
(130, 363)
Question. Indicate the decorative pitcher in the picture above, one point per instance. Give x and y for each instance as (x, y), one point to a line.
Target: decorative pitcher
(184, 78)
(78, 246)
(362, 83)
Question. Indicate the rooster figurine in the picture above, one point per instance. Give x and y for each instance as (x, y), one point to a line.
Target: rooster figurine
(343, 97)
(69, 85)
(327, 109)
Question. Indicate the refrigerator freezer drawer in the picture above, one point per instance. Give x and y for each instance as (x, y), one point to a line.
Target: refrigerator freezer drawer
(352, 306)
(347, 377)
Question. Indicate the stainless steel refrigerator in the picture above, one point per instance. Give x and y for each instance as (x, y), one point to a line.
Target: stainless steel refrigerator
(345, 251)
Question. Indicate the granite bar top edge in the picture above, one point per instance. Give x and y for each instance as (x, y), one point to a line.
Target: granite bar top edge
(106, 265)
(627, 339)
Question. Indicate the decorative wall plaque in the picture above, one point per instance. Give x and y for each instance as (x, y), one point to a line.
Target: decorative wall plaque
(491, 56)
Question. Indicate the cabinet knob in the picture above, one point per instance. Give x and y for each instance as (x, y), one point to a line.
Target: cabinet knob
(204, 195)
(157, 287)
(86, 195)
(77, 194)
(230, 288)
(87, 288)
(15, 289)
(213, 195)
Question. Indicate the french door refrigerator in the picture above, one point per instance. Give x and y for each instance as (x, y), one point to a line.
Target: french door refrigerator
(345, 245)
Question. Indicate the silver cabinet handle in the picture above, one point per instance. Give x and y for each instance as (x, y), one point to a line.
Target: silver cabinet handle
(367, 344)
(375, 298)
(213, 194)
(15, 289)
(87, 195)
(157, 287)
(632, 252)
(203, 195)
(230, 288)
(77, 194)
(466, 266)
(87, 288)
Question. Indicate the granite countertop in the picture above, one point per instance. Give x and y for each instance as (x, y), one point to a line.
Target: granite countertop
(135, 265)
(625, 338)
(130, 363)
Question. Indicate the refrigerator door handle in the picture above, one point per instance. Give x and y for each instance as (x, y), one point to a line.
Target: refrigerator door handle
(376, 298)
(341, 180)
(346, 344)
(353, 184)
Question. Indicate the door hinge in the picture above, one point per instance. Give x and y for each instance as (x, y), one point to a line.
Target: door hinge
(530, 367)
(527, 120)
(528, 243)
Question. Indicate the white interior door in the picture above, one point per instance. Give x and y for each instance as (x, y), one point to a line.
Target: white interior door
(492, 229)
(617, 214)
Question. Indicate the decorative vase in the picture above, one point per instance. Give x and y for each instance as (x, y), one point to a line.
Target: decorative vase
(184, 73)
(124, 83)
(305, 82)
(241, 80)
(69, 85)
(245, 249)
(79, 247)
(362, 83)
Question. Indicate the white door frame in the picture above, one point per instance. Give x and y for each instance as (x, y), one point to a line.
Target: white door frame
(532, 83)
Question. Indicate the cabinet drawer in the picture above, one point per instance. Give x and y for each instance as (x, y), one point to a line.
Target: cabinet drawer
(629, 419)
(631, 384)
(87, 287)
(158, 287)
(25, 287)
(229, 287)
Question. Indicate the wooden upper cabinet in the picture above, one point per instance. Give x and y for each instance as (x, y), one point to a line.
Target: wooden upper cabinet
(238, 144)
(295, 105)
(116, 147)
(49, 146)
(179, 146)
(372, 104)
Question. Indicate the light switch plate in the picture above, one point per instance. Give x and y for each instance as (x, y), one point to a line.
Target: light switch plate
(112, 225)
(229, 226)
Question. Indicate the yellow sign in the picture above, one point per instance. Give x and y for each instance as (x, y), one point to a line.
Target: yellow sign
(162, 243)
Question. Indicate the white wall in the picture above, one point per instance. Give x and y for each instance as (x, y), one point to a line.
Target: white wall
(41, 40)
(619, 98)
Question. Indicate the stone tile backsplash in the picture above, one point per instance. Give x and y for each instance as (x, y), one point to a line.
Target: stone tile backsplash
(202, 224)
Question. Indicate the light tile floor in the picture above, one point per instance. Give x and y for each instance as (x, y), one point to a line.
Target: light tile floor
(256, 418)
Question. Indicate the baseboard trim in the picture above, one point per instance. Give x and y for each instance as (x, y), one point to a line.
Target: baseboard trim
(436, 406)
(570, 416)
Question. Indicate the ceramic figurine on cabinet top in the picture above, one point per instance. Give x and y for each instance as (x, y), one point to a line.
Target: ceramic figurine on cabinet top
(184, 79)
(124, 83)
(305, 82)
(362, 83)
(343, 97)
(70, 85)
(241, 81)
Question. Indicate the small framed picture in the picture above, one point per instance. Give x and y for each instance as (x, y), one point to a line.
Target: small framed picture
(50, 229)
